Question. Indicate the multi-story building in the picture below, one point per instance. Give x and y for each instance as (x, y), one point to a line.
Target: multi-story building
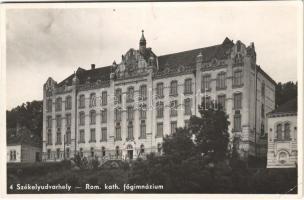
(124, 110)
(282, 136)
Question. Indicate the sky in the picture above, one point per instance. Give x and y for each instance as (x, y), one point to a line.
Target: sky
(54, 42)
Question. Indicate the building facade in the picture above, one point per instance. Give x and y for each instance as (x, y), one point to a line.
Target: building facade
(282, 136)
(124, 110)
(22, 146)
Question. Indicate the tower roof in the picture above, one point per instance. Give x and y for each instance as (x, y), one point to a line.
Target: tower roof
(142, 41)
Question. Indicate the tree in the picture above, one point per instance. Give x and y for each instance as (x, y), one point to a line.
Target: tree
(285, 92)
(28, 114)
(211, 132)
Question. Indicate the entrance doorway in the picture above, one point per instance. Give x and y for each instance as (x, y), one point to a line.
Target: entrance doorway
(130, 152)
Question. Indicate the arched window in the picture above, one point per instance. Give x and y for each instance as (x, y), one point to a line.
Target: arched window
(142, 149)
(279, 131)
(92, 117)
(117, 151)
(287, 131)
(103, 151)
(283, 157)
(58, 104)
(143, 92)
(188, 86)
(173, 88)
(81, 101)
(92, 100)
(237, 79)
(130, 94)
(68, 103)
(118, 95)
(221, 81)
(49, 105)
(81, 118)
(92, 152)
(160, 90)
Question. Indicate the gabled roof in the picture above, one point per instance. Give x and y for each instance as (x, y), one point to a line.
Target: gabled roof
(92, 75)
(287, 108)
(188, 58)
(22, 137)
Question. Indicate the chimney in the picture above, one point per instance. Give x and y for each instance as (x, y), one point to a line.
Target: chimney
(92, 66)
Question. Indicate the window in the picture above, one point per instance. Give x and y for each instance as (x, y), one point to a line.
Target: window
(92, 117)
(117, 114)
(92, 135)
(282, 157)
(58, 121)
(81, 136)
(160, 90)
(118, 132)
(262, 129)
(12, 155)
(68, 120)
(81, 101)
(49, 105)
(206, 102)
(279, 132)
(221, 81)
(81, 118)
(263, 89)
(68, 103)
(68, 153)
(173, 127)
(92, 100)
(103, 151)
(237, 123)
(104, 98)
(160, 109)
(188, 106)
(262, 111)
(58, 104)
(118, 96)
(117, 151)
(58, 153)
(142, 129)
(173, 108)
(130, 131)
(237, 79)
(221, 99)
(49, 122)
(142, 111)
(159, 129)
(287, 131)
(49, 154)
(237, 99)
(142, 149)
(188, 86)
(104, 116)
(173, 88)
(143, 92)
(205, 83)
(92, 152)
(103, 134)
(130, 95)
(81, 152)
(130, 113)
(58, 138)
(49, 137)
(68, 137)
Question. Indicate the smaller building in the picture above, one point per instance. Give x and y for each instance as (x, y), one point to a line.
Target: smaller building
(23, 146)
(282, 136)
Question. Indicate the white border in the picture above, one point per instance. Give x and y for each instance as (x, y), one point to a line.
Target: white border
(3, 189)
